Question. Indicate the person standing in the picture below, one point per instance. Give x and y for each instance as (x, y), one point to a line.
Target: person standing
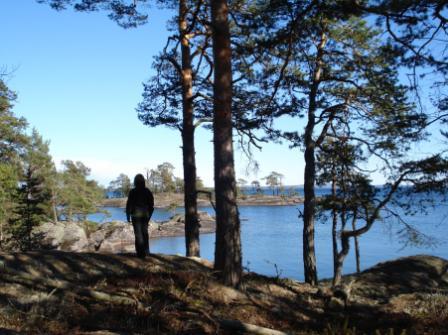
(139, 209)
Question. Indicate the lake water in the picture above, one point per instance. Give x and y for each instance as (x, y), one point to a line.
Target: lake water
(272, 240)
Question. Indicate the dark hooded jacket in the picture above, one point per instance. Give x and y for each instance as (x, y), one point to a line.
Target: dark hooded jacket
(140, 202)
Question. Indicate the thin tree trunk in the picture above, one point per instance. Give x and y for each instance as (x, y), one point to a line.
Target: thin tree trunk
(1, 233)
(334, 225)
(309, 257)
(189, 160)
(358, 262)
(228, 239)
(345, 248)
(28, 225)
(53, 205)
(309, 204)
(55, 213)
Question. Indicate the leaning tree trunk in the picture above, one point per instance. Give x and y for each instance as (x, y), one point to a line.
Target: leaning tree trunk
(345, 247)
(189, 160)
(309, 203)
(358, 261)
(228, 239)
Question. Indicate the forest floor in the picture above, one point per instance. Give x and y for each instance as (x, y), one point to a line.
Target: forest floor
(165, 200)
(49, 292)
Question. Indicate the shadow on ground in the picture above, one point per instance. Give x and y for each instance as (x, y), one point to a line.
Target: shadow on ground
(50, 292)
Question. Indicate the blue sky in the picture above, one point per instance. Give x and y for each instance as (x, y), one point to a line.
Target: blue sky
(79, 77)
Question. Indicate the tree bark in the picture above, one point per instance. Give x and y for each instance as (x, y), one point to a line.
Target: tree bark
(334, 225)
(54, 206)
(358, 261)
(188, 150)
(228, 239)
(345, 248)
(309, 204)
(370, 219)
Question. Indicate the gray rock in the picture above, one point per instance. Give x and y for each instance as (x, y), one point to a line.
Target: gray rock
(50, 234)
(75, 238)
(204, 216)
(111, 237)
(114, 237)
(177, 218)
(96, 239)
(63, 235)
(180, 218)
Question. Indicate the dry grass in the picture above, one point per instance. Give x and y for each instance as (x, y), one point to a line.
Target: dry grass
(68, 293)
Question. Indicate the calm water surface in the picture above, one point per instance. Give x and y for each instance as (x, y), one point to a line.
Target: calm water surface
(272, 242)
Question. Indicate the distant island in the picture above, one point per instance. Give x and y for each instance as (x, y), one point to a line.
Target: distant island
(166, 200)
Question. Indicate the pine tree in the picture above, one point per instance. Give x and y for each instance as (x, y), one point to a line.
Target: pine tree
(9, 180)
(12, 129)
(180, 97)
(274, 181)
(34, 195)
(166, 171)
(228, 237)
(77, 196)
(13, 141)
(175, 98)
(328, 67)
(120, 186)
(354, 199)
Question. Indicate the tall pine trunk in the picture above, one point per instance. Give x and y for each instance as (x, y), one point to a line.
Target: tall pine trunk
(189, 160)
(334, 235)
(309, 204)
(228, 239)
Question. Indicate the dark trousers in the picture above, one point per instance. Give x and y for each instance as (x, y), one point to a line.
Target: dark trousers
(141, 235)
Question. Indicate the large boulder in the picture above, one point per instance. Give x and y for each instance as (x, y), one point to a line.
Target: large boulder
(175, 226)
(420, 273)
(113, 237)
(180, 218)
(204, 216)
(63, 235)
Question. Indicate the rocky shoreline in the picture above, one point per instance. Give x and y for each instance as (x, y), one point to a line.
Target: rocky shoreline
(165, 200)
(118, 236)
(109, 237)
